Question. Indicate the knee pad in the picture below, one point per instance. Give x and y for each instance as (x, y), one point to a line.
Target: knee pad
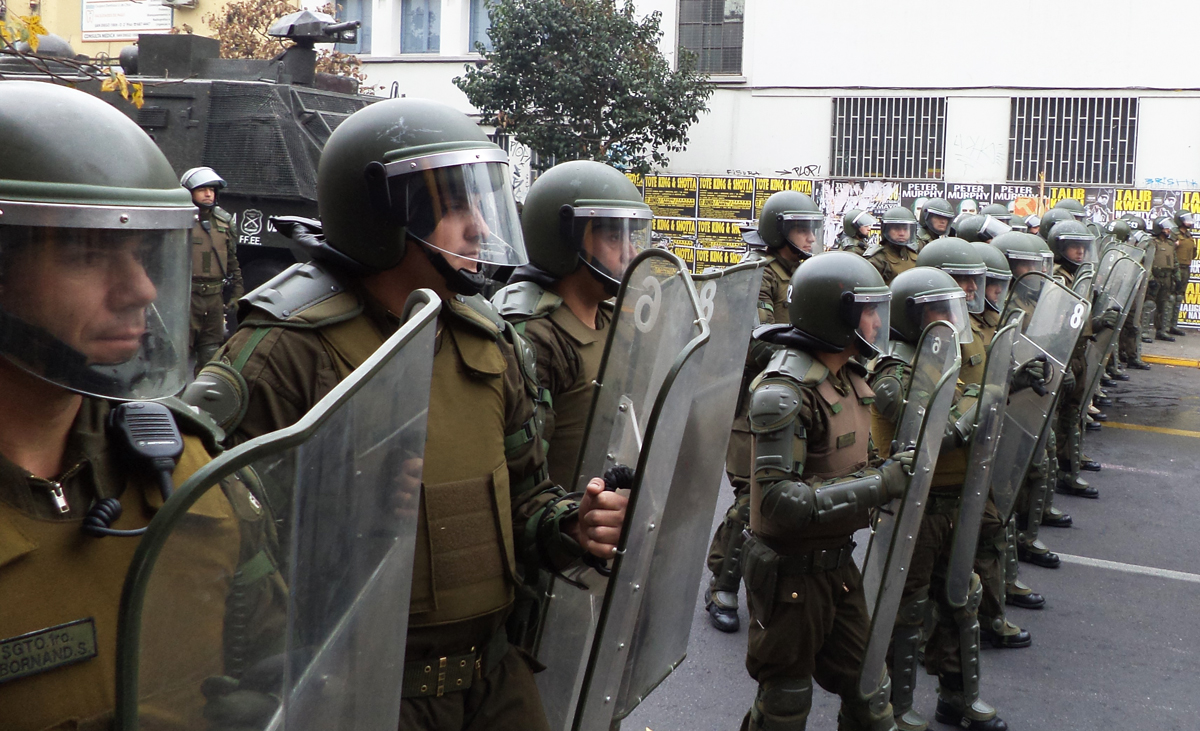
(912, 611)
(873, 713)
(782, 704)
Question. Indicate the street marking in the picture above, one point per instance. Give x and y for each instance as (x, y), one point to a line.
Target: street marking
(1155, 429)
(1168, 360)
(1130, 568)
(1135, 470)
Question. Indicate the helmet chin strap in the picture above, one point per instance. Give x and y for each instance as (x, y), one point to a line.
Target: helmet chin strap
(467, 284)
(603, 275)
(801, 252)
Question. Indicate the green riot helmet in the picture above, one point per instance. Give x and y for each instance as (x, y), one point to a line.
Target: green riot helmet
(1136, 222)
(1163, 226)
(1183, 219)
(1050, 218)
(979, 228)
(959, 259)
(95, 247)
(837, 300)
(1025, 253)
(1072, 244)
(1119, 229)
(923, 296)
(416, 169)
(937, 216)
(585, 212)
(792, 218)
(998, 211)
(854, 220)
(1033, 223)
(1072, 206)
(899, 227)
(1017, 223)
(202, 177)
(999, 275)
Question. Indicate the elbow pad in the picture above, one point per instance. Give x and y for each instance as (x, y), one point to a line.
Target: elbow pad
(844, 499)
(788, 503)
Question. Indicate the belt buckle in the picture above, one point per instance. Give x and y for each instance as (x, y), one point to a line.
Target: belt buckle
(441, 678)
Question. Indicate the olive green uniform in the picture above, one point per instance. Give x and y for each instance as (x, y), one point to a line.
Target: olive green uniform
(1165, 270)
(808, 612)
(924, 236)
(1185, 252)
(51, 574)
(890, 260)
(926, 580)
(489, 515)
(214, 268)
(849, 242)
(772, 310)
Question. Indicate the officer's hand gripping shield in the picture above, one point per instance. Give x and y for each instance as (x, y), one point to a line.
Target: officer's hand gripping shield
(985, 438)
(222, 623)
(928, 398)
(657, 641)
(1054, 318)
(637, 421)
(1117, 283)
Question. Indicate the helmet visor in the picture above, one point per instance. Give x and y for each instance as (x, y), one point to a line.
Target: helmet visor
(870, 310)
(991, 228)
(461, 204)
(864, 218)
(1078, 248)
(972, 282)
(949, 306)
(609, 238)
(1185, 219)
(996, 290)
(938, 222)
(900, 233)
(802, 230)
(103, 312)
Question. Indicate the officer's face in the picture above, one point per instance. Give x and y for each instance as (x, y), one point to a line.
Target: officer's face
(970, 285)
(1020, 267)
(939, 224)
(864, 231)
(992, 291)
(869, 323)
(461, 230)
(933, 312)
(802, 237)
(608, 242)
(88, 288)
(204, 196)
(1075, 251)
(897, 234)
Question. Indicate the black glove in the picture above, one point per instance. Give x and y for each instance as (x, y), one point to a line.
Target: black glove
(249, 703)
(895, 473)
(1032, 374)
(1107, 320)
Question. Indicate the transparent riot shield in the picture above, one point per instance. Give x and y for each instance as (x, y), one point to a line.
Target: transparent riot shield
(985, 437)
(1085, 277)
(1054, 318)
(637, 421)
(221, 622)
(1122, 278)
(927, 402)
(659, 637)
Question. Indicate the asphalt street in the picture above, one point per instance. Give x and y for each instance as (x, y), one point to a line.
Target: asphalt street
(1118, 644)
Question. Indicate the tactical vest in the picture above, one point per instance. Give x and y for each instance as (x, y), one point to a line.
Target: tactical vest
(465, 562)
(210, 249)
(1185, 249)
(846, 450)
(951, 469)
(891, 260)
(52, 574)
(1164, 254)
(985, 326)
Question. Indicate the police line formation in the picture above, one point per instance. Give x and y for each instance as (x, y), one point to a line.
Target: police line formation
(390, 500)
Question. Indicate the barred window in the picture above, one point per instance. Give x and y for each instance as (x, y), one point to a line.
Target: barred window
(1073, 140)
(712, 29)
(888, 137)
(420, 26)
(481, 20)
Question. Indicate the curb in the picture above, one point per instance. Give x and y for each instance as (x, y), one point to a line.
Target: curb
(1168, 360)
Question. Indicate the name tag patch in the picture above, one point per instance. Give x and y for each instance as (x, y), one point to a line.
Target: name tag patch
(47, 649)
(846, 440)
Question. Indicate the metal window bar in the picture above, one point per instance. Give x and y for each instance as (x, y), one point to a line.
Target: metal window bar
(888, 137)
(1074, 140)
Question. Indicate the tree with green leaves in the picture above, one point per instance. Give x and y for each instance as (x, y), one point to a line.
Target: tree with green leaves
(584, 79)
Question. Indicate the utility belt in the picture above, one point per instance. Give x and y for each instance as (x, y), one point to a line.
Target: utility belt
(773, 578)
(816, 560)
(1163, 271)
(207, 288)
(453, 673)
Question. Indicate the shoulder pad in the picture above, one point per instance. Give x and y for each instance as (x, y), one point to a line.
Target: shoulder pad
(873, 249)
(797, 365)
(222, 215)
(755, 255)
(194, 421)
(525, 301)
(773, 405)
(293, 293)
(477, 312)
(219, 394)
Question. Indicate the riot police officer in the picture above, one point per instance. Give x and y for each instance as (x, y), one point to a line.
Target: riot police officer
(216, 276)
(1165, 270)
(93, 313)
(429, 208)
(936, 217)
(998, 211)
(789, 227)
(1185, 252)
(812, 487)
(856, 231)
(898, 247)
